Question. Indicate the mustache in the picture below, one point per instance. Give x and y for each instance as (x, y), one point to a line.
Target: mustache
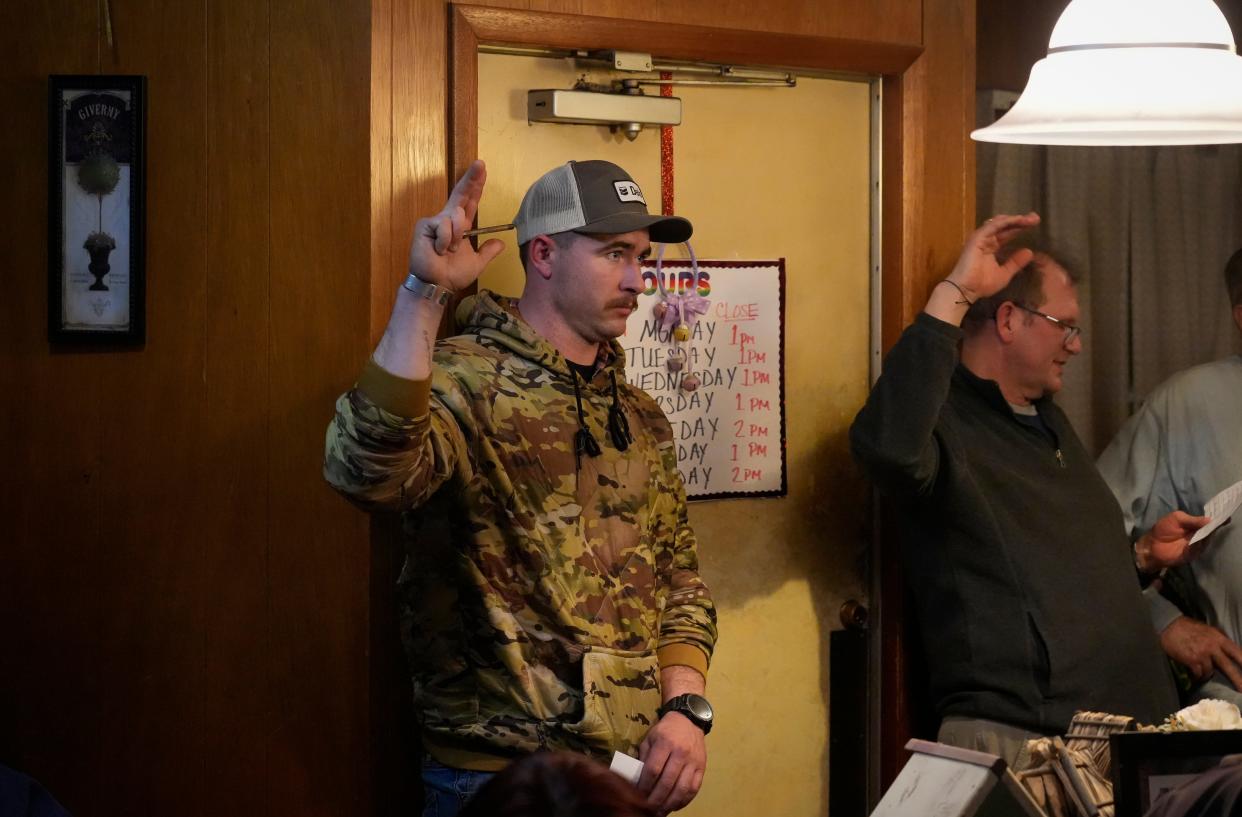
(629, 303)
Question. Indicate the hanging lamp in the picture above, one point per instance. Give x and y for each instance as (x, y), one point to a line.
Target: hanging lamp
(1131, 72)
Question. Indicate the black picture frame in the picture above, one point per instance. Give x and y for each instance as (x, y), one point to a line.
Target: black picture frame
(1144, 762)
(96, 209)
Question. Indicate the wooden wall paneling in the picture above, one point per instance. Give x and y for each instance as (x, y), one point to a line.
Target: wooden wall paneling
(873, 20)
(170, 660)
(902, 195)
(156, 492)
(393, 750)
(49, 421)
(238, 699)
(903, 270)
(915, 163)
(680, 41)
(557, 6)
(905, 125)
(463, 124)
(412, 37)
(320, 320)
(937, 114)
(155, 495)
(949, 181)
(383, 248)
(463, 121)
(419, 129)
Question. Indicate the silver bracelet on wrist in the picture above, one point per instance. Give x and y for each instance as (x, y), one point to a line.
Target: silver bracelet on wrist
(427, 291)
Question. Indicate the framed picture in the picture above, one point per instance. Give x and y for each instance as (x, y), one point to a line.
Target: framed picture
(96, 204)
(1147, 764)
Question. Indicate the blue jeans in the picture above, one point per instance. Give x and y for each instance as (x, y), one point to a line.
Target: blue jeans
(446, 790)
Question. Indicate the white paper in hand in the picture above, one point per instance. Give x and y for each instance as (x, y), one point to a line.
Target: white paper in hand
(630, 768)
(1220, 508)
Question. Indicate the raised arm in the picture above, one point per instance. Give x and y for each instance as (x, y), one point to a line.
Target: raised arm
(441, 256)
(978, 272)
(893, 435)
(390, 446)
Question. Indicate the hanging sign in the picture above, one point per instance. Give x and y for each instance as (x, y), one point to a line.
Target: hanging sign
(711, 353)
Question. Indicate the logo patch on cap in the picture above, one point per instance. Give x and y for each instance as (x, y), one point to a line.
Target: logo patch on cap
(628, 191)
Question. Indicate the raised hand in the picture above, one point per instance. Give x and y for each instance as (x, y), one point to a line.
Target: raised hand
(439, 253)
(978, 272)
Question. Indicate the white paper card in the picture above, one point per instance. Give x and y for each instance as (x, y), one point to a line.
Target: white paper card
(1220, 508)
(630, 768)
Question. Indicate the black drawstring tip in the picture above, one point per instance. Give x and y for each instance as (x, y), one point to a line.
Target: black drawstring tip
(619, 428)
(618, 425)
(585, 443)
(584, 440)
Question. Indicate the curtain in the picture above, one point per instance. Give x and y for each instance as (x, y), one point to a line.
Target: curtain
(1148, 230)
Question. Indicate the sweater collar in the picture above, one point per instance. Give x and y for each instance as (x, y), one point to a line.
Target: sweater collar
(989, 390)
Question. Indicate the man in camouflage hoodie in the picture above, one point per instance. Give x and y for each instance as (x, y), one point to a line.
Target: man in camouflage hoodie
(551, 596)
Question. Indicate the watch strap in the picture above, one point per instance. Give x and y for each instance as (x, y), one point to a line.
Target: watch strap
(427, 291)
(681, 705)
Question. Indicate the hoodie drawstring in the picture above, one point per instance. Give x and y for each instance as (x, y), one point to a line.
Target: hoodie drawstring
(584, 440)
(618, 426)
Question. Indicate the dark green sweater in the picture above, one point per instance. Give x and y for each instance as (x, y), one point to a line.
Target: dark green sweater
(1022, 572)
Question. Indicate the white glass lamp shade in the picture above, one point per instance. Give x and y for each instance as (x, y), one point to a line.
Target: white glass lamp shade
(1131, 72)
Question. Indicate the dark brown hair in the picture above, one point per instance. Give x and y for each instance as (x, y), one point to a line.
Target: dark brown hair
(562, 240)
(557, 784)
(1027, 285)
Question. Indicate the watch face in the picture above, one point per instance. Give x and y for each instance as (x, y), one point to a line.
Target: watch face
(699, 707)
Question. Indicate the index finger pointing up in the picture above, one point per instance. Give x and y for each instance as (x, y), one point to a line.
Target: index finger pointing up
(468, 190)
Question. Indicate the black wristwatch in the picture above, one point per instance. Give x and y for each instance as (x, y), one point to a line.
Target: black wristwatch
(694, 707)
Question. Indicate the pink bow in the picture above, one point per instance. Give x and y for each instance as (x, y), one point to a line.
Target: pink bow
(686, 308)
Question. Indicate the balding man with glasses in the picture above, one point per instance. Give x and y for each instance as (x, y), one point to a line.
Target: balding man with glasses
(1022, 573)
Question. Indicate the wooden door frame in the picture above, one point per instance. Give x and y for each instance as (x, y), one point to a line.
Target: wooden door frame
(903, 125)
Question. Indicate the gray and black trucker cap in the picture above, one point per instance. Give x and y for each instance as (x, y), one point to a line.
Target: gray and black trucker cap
(592, 197)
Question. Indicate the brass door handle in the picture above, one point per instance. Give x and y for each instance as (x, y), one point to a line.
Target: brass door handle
(854, 615)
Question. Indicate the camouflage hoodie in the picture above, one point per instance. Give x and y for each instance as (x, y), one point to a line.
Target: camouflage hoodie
(541, 591)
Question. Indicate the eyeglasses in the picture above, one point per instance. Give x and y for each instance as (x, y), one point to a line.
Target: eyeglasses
(1070, 330)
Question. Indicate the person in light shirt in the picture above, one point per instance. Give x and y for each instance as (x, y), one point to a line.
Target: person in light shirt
(1180, 449)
